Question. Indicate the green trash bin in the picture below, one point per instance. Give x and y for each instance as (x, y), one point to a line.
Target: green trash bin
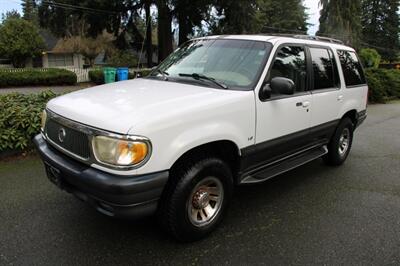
(109, 74)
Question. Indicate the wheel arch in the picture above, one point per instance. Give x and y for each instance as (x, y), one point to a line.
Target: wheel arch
(226, 150)
(353, 115)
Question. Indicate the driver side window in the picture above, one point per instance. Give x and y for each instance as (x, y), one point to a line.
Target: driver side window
(290, 62)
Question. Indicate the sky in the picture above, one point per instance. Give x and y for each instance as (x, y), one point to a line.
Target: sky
(8, 5)
(313, 11)
(312, 5)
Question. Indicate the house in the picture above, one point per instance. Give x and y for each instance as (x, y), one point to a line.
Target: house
(5, 63)
(50, 57)
(58, 55)
(55, 58)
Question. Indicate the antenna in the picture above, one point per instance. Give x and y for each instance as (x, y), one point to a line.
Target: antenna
(144, 40)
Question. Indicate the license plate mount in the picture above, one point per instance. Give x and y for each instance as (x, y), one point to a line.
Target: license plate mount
(54, 175)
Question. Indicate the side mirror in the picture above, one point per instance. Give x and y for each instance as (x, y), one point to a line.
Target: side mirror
(265, 92)
(283, 86)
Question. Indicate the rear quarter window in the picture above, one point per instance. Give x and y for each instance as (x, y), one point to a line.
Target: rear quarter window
(352, 69)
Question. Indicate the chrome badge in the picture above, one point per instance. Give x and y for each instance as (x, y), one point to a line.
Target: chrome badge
(62, 134)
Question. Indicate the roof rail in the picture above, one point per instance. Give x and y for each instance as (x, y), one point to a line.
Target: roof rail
(306, 37)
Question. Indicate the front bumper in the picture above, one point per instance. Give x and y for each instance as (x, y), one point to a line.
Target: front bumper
(113, 195)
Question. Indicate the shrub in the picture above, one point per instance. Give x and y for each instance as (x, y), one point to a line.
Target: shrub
(122, 59)
(96, 76)
(36, 77)
(20, 117)
(370, 58)
(384, 84)
(392, 82)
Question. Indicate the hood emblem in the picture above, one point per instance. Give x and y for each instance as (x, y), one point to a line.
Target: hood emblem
(62, 134)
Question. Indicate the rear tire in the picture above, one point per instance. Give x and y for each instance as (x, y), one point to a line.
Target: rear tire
(195, 200)
(340, 145)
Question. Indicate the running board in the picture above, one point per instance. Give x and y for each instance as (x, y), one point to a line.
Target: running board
(284, 166)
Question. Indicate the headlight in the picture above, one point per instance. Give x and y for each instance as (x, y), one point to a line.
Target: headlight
(44, 118)
(119, 152)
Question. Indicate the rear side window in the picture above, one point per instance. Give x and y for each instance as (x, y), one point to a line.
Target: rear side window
(352, 69)
(324, 69)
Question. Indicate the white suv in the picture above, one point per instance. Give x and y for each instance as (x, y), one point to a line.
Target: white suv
(218, 112)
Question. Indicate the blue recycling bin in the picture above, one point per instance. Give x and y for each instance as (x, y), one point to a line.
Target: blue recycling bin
(122, 73)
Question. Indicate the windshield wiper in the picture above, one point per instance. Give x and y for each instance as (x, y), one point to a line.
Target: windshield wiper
(164, 74)
(198, 77)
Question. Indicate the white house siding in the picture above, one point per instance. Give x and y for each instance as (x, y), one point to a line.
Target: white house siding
(77, 61)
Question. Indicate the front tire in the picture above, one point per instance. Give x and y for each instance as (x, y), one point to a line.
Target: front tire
(340, 144)
(195, 200)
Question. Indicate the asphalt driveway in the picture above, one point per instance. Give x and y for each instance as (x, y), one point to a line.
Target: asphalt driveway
(312, 215)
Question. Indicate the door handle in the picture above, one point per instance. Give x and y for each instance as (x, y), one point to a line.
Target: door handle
(340, 98)
(303, 104)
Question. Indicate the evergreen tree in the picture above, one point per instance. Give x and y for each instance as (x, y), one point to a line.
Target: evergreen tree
(29, 11)
(255, 16)
(341, 19)
(381, 27)
(282, 16)
(189, 15)
(234, 17)
(10, 14)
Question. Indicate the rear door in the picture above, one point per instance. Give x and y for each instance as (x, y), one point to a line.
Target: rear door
(327, 96)
(355, 89)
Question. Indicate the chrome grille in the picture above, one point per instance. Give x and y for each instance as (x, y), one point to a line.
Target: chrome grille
(71, 140)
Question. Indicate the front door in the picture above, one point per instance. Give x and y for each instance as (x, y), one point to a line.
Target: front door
(283, 121)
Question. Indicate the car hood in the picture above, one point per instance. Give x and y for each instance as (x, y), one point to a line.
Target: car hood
(119, 106)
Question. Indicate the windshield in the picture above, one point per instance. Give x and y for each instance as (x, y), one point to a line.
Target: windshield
(230, 63)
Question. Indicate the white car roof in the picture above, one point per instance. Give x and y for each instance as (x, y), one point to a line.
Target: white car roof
(301, 39)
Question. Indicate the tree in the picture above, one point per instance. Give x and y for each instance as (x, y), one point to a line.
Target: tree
(10, 14)
(235, 17)
(380, 20)
(71, 17)
(255, 16)
(68, 18)
(282, 16)
(29, 10)
(164, 29)
(149, 41)
(20, 40)
(189, 15)
(341, 19)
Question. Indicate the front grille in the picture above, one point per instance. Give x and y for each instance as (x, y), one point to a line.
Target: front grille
(72, 140)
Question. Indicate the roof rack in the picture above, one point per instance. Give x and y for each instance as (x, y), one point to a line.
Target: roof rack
(307, 37)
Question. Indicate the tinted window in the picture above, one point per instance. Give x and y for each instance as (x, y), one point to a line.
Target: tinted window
(323, 68)
(290, 62)
(352, 70)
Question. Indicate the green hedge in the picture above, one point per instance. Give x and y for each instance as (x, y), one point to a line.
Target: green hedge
(36, 77)
(20, 117)
(97, 76)
(384, 84)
